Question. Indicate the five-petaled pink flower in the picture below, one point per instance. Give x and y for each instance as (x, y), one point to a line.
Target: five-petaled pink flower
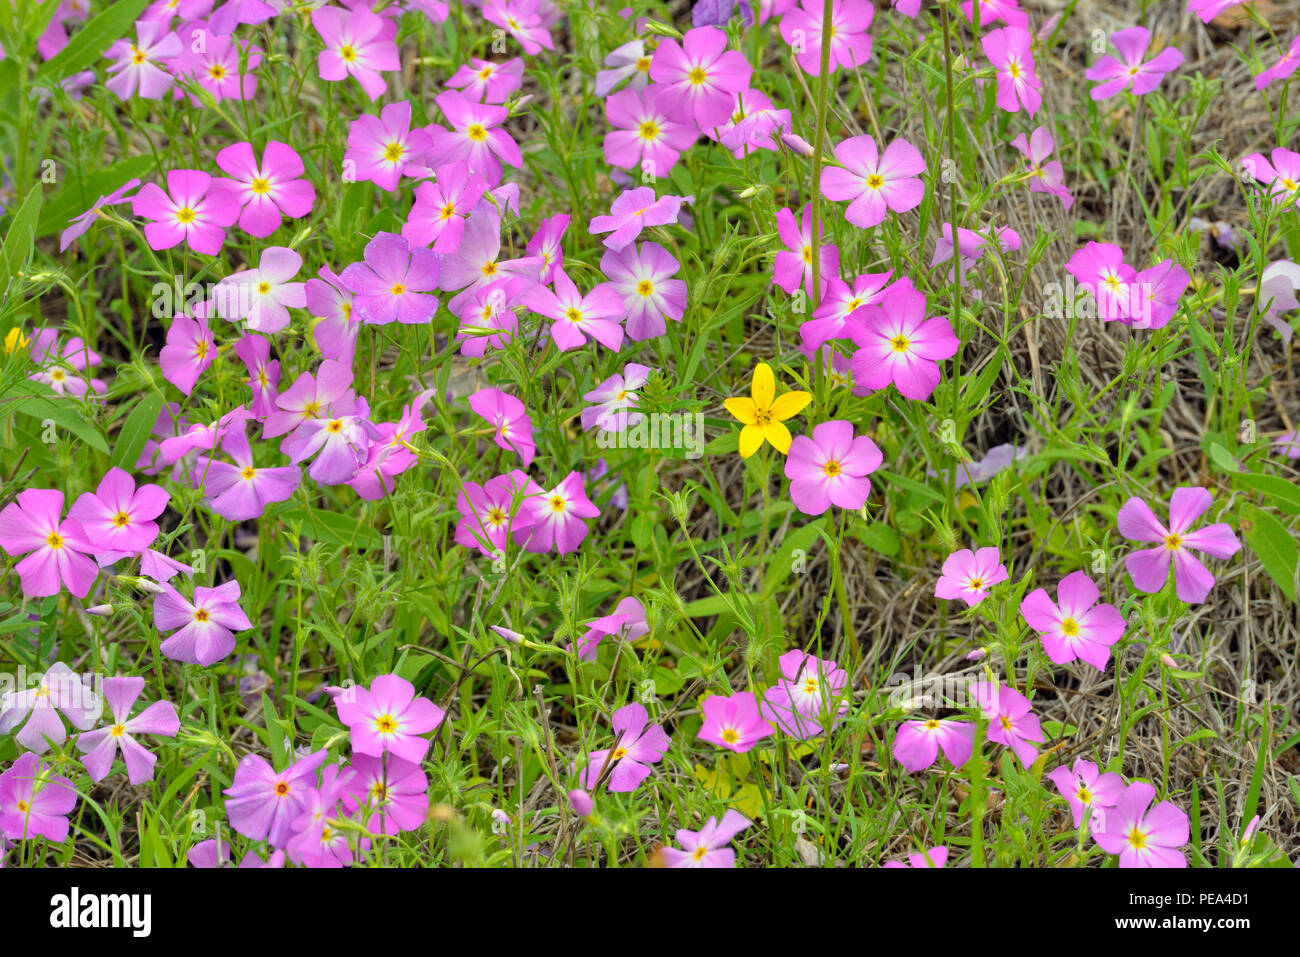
(969, 575)
(1281, 176)
(56, 548)
(697, 80)
(358, 43)
(1142, 835)
(871, 182)
(638, 745)
(117, 519)
(388, 717)
(1129, 72)
(1008, 49)
(898, 344)
(195, 210)
(733, 722)
(100, 746)
(803, 26)
(1075, 626)
(1087, 790)
(267, 191)
(917, 742)
(1149, 568)
(830, 467)
(707, 847)
(1011, 721)
(206, 626)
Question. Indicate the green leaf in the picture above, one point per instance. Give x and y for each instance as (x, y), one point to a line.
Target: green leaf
(20, 240)
(90, 42)
(135, 432)
(1275, 489)
(63, 413)
(1275, 546)
(879, 537)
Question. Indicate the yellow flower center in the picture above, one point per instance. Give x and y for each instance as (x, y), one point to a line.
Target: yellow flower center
(54, 540)
(1069, 627)
(201, 348)
(645, 287)
(489, 269)
(1084, 796)
(335, 426)
(448, 211)
(1137, 840)
(1173, 542)
(281, 788)
(730, 736)
(831, 468)
(557, 503)
(899, 343)
(619, 754)
(932, 725)
(118, 730)
(247, 473)
(263, 288)
(496, 517)
(977, 583)
(397, 289)
(700, 852)
(875, 181)
(476, 133)
(643, 64)
(393, 152)
(185, 214)
(217, 71)
(484, 73)
(649, 130)
(386, 724)
(348, 54)
(1005, 722)
(201, 614)
(573, 315)
(121, 520)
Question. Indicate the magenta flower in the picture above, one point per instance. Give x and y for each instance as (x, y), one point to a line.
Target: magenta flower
(838, 311)
(556, 517)
(100, 747)
(56, 548)
(1008, 49)
(206, 625)
(262, 297)
(1011, 721)
(390, 453)
(1077, 627)
(638, 745)
(488, 319)
(1100, 270)
(263, 372)
(1282, 175)
(547, 245)
(270, 190)
(626, 622)
(1008, 11)
(394, 282)
(358, 44)
(576, 317)
(614, 398)
(698, 79)
(792, 267)
(336, 328)
(475, 264)
(59, 691)
(1084, 788)
(315, 839)
(35, 801)
(1142, 835)
(634, 210)
(733, 722)
(802, 29)
(512, 429)
(831, 468)
(522, 20)
(388, 718)
(755, 124)
(1207, 10)
(644, 280)
(476, 137)
(1113, 76)
(213, 63)
(195, 210)
(1149, 568)
(1045, 176)
(969, 575)
(917, 743)
(199, 437)
(139, 68)
(971, 246)
(383, 148)
(644, 138)
(810, 697)
(118, 519)
(57, 365)
(394, 790)
(871, 182)
(707, 847)
(190, 349)
(438, 217)
(934, 857)
(1283, 68)
(491, 511)
(898, 344)
(262, 804)
(486, 81)
(1157, 293)
(78, 225)
(241, 492)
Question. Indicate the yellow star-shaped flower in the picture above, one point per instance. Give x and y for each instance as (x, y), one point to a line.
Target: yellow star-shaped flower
(16, 340)
(762, 413)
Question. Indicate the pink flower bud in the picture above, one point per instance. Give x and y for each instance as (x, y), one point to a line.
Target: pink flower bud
(580, 802)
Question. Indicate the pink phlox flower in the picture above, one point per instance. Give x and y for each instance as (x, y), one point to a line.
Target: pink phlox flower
(394, 283)
(809, 699)
(637, 745)
(1087, 790)
(969, 575)
(60, 690)
(56, 549)
(616, 400)
(262, 804)
(733, 722)
(645, 280)
(576, 317)
(384, 148)
(707, 847)
(388, 717)
(627, 622)
(1129, 72)
(1149, 567)
(1143, 835)
(917, 743)
(437, 219)
(358, 44)
(101, 746)
(78, 225)
(1011, 720)
(1045, 176)
(634, 210)
(792, 267)
(512, 429)
(830, 467)
(241, 492)
(189, 351)
(838, 312)
(138, 68)
(490, 512)
(1075, 626)
(195, 210)
(486, 81)
(117, 519)
(1009, 50)
(35, 801)
(898, 344)
(802, 29)
(204, 629)
(557, 517)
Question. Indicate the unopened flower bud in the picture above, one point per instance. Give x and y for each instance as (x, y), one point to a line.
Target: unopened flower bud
(797, 143)
(580, 802)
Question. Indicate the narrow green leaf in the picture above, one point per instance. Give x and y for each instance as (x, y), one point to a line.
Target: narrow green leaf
(1275, 546)
(89, 43)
